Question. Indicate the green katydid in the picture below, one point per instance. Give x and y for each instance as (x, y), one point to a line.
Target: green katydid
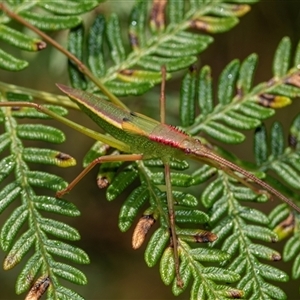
(131, 132)
(149, 138)
(144, 138)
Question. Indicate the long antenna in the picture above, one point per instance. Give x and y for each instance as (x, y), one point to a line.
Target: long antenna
(203, 153)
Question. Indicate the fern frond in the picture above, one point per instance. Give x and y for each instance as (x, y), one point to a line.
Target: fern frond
(153, 44)
(240, 106)
(41, 267)
(46, 16)
(159, 247)
(292, 248)
(284, 162)
(230, 220)
(233, 223)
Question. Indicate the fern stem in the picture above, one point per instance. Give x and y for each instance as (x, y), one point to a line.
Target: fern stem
(81, 66)
(262, 88)
(153, 43)
(27, 196)
(198, 271)
(153, 195)
(233, 212)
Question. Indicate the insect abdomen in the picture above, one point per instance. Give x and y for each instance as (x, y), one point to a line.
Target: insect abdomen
(168, 135)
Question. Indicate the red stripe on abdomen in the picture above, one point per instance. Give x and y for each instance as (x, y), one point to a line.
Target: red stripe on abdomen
(168, 135)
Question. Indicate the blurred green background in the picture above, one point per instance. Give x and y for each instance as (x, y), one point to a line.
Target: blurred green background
(116, 271)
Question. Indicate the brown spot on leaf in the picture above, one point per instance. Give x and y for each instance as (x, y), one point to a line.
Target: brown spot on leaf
(102, 182)
(276, 257)
(200, 25)
(205, 237)
(237, 7)
(288, 222)
(273, 101)
(63, 156)
(274, 240)
(266, 99)
(292, 140)
(236, 294)
(294, 79)
(141, 229)
(287, 226)
(41, 45)
(271, 82)
(39, 288)
(127, 72)
(29, 279)
(240, 9)
(10, 261)
(157, 14)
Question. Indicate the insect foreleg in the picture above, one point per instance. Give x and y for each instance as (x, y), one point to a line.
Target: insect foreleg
(99, 160)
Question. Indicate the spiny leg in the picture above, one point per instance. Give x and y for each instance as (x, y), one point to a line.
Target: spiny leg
(170, 201)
